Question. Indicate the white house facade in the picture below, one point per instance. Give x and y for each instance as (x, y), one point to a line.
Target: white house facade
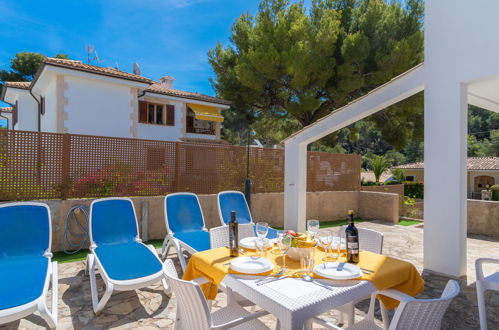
(69, 96)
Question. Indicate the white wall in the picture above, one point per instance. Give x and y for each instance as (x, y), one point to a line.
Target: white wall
(97, 108)
(162, 132)
(49, 119)
(27, 117)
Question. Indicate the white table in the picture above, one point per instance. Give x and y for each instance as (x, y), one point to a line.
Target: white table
(293, 301)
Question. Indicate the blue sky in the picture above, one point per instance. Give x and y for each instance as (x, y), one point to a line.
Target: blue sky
(166, 37)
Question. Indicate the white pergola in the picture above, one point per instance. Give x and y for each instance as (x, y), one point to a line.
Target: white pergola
(461, 67)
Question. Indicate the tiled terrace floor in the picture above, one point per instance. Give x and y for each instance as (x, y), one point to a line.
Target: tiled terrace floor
(150, 308)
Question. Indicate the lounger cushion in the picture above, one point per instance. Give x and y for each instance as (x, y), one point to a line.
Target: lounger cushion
(198, 240)
(231, 201)
(127, 261)
(21, 280)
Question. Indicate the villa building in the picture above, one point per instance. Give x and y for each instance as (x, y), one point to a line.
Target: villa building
(68, 96)
(483, 172)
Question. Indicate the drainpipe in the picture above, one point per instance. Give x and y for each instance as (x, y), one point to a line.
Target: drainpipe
(39, 111)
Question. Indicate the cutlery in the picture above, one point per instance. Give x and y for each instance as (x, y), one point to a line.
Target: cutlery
(272, 276)
(272, 279)
(309, 278)
(367, 270)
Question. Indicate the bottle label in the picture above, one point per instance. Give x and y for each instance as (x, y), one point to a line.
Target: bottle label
(353, 244)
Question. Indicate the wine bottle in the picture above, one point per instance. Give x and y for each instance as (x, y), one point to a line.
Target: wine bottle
(352, 240)
(233, 235)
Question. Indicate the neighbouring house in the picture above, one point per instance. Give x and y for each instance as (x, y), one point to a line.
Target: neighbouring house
(68, 96)
(5, 115)
(483, 172)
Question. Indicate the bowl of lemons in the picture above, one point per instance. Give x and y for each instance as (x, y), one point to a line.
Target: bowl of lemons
(300, 243)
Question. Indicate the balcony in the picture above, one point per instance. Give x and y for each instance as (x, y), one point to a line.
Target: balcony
(198, 130)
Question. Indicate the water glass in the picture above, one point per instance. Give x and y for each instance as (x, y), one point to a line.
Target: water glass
(261, 246)
(325, 239)
(307, 260)
(284, 243)
(262, 228)
(313, 227)
(335, 247)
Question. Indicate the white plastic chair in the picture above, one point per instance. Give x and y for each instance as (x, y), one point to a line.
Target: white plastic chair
(484, 283)
(369, 240)
(193, 311)
(412, 313)
(26, 266)
(219, 237)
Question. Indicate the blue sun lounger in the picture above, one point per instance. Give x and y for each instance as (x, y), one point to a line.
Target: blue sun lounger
(26, 269)
(123, 261)
(185, 225)
(235, 201)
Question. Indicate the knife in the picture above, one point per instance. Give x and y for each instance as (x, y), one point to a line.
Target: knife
(272, 280)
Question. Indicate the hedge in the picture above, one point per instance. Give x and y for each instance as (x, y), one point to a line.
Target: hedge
(414, 189)
(495, 192)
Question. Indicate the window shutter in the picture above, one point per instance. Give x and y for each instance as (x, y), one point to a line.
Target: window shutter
(170, 115)
(42, 105)
(14, 115)
(142, 112)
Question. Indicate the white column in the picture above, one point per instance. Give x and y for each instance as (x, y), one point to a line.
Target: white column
(445, 159)
(295, 185)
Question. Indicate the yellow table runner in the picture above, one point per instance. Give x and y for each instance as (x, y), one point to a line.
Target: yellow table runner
(389, 273)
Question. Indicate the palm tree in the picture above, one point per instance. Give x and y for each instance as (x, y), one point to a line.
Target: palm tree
(378, 165)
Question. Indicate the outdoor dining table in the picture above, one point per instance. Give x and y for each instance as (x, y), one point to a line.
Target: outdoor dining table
(293, 300)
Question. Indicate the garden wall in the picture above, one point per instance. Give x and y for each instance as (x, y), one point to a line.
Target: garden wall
(483, 217)
(325, 206)
(390, 188)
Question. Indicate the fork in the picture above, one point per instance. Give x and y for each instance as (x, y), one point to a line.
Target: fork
(272, 276)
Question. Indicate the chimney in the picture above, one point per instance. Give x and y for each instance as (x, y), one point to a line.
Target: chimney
(167, 82)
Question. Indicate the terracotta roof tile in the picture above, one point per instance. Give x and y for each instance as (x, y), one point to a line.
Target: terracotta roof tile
(18, 84)
(158, 89)
(111, 72)
(7, 109)
(474, 163)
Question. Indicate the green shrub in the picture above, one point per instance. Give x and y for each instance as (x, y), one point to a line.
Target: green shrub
(495, 192)
(414, 189)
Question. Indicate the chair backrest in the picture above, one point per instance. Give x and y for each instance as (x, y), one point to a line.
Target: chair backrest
(183, 213)
(369, 240)
(233, 201)
(112, 221)
(25, 229)
(219, 236)
(192, 307)
(424, 314)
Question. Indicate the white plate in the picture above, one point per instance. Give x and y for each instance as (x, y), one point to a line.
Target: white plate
(251, 265)
(338, 271)
(249, 242)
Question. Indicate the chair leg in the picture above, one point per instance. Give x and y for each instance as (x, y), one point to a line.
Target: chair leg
(96, 304)
(165, 248)
(350, 311)
(384, 316)
(51, 317)
(482, 311)
(180, 256)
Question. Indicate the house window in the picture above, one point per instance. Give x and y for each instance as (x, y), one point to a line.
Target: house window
(156, 114)
(409, 178)
(197, 126)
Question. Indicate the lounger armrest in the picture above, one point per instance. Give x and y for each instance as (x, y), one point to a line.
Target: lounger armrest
(200, 280)
(394, 294)
(239, 320)
(479, 266)
(48, 254)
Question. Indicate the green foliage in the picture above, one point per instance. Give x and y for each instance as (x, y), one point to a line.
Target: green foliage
(406, 222)
(287, 61)
(495, 192)
(379, 164)
(398, 174)
(414, 190)
(24, 66)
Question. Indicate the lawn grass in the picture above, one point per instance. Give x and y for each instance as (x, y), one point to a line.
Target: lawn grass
(406, 222)
(62, 257)
(333, 223)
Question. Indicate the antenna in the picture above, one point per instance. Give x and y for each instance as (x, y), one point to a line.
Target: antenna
(92, 54)
(136, 69)
(116, 66)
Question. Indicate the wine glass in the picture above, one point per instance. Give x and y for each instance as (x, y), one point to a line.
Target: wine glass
(284, 243)
(325, 239)
(313, 227)
(262, 228)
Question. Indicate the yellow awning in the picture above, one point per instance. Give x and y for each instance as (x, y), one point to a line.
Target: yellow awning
(205, 112)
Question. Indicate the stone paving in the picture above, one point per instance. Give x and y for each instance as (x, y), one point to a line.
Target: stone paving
(150, 308)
